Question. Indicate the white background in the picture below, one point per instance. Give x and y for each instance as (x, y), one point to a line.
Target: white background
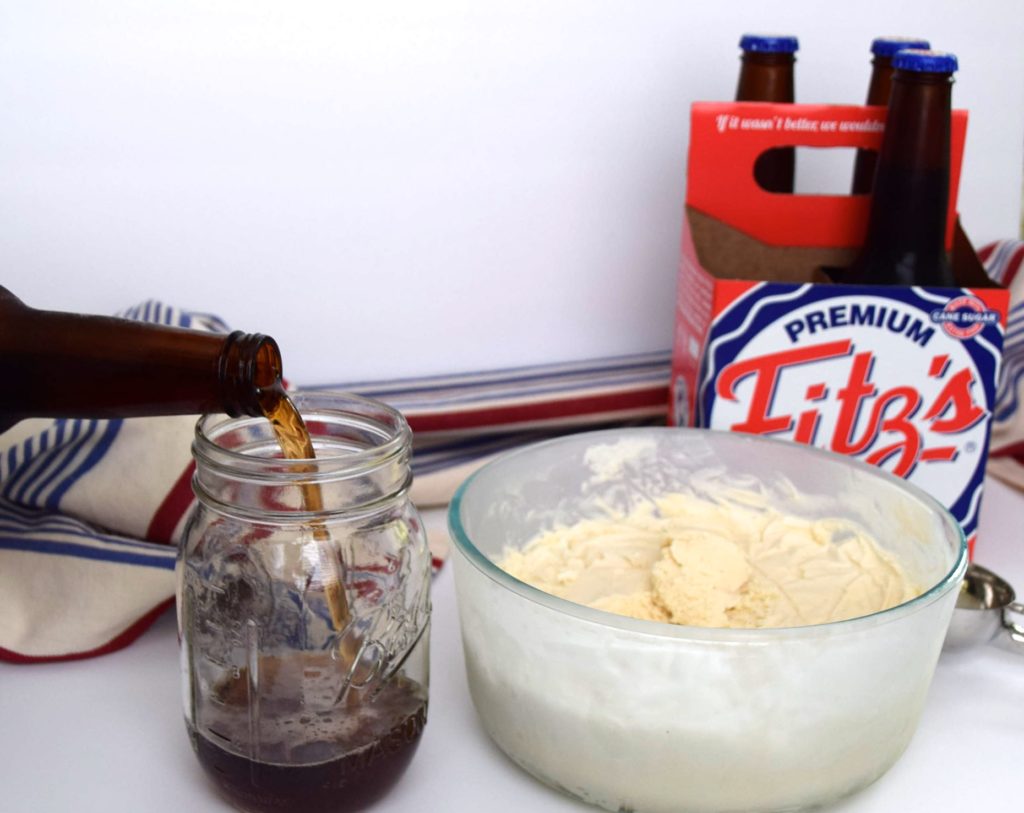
(398, 188)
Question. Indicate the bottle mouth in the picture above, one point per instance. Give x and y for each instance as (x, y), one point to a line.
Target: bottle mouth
(249, 364)
(362, 452)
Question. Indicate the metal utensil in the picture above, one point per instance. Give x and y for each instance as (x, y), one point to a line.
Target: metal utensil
(986, 609)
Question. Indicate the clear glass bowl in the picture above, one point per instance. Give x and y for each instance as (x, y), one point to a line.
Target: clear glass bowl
(643, 716)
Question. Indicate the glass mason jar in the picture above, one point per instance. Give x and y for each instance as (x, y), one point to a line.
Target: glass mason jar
(305, 633)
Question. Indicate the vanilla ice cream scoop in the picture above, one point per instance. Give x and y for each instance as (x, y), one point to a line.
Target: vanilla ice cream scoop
(701, 562)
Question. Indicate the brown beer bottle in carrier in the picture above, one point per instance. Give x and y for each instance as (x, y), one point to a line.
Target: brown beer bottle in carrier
(883, 49)
(69, 365)
(905, 240)
(766, 75)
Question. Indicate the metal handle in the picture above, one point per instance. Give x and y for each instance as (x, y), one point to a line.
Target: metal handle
(1014, 629)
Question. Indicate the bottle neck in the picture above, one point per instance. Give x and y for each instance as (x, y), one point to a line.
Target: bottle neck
(879, 90)
(880, 85)
(766, 78)
(769, 78)
(67, 365)
(905, 241)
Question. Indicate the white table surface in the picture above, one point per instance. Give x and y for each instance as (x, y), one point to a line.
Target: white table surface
(107, 734)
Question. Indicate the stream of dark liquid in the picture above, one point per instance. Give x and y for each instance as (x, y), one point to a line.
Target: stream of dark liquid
(296, 444)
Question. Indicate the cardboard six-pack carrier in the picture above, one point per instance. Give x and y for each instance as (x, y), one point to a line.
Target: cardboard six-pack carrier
(900, 377)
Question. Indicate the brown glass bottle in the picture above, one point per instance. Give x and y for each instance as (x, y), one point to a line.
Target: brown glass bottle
(905, 241)
(766, 75)
(883, 49)
(70, 365)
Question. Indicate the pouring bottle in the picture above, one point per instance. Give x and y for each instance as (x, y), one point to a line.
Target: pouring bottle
(70, 365)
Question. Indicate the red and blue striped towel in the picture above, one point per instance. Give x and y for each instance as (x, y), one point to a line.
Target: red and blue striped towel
(1004, 262)
(89, 510)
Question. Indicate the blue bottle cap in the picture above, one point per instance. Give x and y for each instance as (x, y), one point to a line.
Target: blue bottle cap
(922, 61)
(769, 43)
(888, 46)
